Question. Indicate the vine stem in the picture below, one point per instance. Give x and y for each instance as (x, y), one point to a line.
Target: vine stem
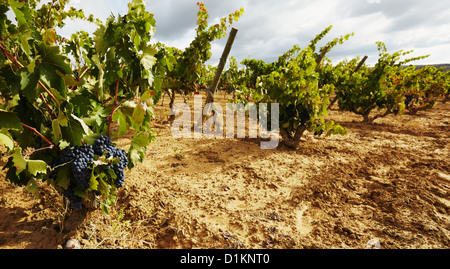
(36, 150)
(41, 136)
(114, 108)
(48, 107)
(79, 78)
(48, 15)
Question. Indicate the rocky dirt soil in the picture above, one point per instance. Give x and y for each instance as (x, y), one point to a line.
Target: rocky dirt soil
(388, 182)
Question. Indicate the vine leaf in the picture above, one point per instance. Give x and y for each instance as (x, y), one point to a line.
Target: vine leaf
(122, 122)
(100, 44)
(93, 183)
(147, 61)
(22, 14)
(82, 124)
(6, 139)
(28, 82)
(32, 187)
(57, 134)
(52, 66)
(24, 42)
(138, 146)
(52, 56)
(36, 166)
(19, 161)
(9, 120)
(138, 115)
(75, 130)
(63, 176)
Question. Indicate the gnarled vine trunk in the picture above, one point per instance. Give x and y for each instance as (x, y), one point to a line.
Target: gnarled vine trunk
(294, 141)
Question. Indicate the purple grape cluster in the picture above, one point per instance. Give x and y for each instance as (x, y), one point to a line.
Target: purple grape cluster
(75, 200)
(81, 171)
(103, 145)
(79, 158)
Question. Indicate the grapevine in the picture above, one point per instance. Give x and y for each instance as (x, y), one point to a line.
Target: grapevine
(185, 68)
(69, 108)
(293, 82)
(379, 88)
(426, 86)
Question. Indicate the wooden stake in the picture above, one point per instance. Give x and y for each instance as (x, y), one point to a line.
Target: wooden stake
(322, 54)
(360, 64)
(220, 67)
(223, 60)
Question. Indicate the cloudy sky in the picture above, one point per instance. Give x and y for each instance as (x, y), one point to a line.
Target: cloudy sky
(268, 28)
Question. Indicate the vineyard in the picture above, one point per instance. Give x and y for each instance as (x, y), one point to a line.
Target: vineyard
(88, 151)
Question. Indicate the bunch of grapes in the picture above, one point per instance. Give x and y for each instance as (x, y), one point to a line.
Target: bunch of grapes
(84, 155)
(75, 200)
(79, 158)
(103, 145)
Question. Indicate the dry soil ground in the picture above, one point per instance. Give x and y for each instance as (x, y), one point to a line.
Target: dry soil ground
(389, 181)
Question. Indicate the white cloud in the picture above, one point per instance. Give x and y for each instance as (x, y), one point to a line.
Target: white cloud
(269, 28)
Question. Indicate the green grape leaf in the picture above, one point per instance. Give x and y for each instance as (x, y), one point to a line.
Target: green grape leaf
(63, 144)
(51, 65)
(93, 183)
(57, 134)
(68, 78)
(9, 120)
(51, 56)
(52, 79)
(36, 166)
(103, 187)
(135, 156)
(32, 66)
(22, 14)
(9, 78)
(75, 131)
(138, 146)
(138, 116)
(24, 42)
(122, 122)
(29, 82)
(63, 176)
(101, 45)
(82, 124)
(6, 139)
(19, 161)
(62, 119)
(32, 187)
(148, 59)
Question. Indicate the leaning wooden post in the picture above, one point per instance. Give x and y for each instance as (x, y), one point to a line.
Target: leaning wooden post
(322, 55)
(210, 91)
(223, 60)
(360, 64)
